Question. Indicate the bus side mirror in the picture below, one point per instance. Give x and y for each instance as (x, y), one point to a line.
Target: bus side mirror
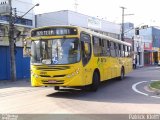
(86, 48)
(26, 50)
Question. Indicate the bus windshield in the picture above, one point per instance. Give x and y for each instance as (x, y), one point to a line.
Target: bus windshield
(55, 51)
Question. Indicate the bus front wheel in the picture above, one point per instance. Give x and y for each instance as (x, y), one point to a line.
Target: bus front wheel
(95, 82)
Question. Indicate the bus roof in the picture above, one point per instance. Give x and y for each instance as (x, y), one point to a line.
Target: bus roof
(88, 31)
(104, 36)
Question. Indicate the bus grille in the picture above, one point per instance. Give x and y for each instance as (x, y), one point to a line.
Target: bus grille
(48, 76)
(53, 68)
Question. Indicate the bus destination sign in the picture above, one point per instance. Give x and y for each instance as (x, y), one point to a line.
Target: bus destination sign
(53, 32)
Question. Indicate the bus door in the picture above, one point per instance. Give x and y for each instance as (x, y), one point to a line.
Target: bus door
(86, 56)
(118, 59)
(105, 60)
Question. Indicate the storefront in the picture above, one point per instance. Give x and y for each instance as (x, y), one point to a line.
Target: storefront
(22, 63)
(148, 53)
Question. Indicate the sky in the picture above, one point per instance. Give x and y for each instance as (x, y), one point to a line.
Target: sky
(146, 12)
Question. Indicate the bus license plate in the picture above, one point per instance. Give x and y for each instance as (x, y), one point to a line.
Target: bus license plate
(52, 81)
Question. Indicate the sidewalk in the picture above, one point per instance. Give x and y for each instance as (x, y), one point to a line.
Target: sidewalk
(17, 83)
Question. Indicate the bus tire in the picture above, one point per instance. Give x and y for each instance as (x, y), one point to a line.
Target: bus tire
(122, 74)
(95, 82)
(56, 87)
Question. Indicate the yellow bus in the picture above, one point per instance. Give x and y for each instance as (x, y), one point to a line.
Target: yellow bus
(71, 56)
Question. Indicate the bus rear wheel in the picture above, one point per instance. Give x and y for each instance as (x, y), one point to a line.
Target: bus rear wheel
(56, 87)
(95, 82)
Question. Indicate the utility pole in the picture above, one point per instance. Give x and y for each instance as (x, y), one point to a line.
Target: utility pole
(76, 6)
(11, 44)
(122, 33)
(12, 41)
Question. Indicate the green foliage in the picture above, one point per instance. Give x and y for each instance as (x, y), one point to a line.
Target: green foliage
(155, 85)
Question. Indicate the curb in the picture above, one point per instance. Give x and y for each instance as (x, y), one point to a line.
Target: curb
(157, 91)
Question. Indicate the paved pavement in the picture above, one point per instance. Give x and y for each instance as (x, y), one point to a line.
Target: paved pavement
(113, 97)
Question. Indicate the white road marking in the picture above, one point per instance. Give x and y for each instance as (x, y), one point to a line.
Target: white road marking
(157, 67)
(155, 97)
(154, 80)
(135, 89)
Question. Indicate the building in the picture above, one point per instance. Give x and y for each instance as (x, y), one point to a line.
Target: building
(151, 39)
(155, 45)
(148, 40)
(136, 40)
(23, 26)
(145, 41)
(67, 17)
(128, 30)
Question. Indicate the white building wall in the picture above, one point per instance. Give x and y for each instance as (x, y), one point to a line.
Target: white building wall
(53, 18)
(100, 25)
(67, 17)
(77, 19)
(22, 6)
(139, 50)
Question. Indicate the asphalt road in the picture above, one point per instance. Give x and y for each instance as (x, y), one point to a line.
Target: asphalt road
(113, 97)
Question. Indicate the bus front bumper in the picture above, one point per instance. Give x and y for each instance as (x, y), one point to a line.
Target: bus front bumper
(65, 82)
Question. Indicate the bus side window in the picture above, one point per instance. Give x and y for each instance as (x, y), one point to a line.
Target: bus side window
(85, 40)
(112, 48)
(97, 47)
(104, 47)
(129, 51)
(126, 51)
(119, 50)
(108, 48)
(122, 51)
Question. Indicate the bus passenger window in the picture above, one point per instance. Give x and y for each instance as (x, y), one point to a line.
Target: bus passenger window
(122, 51)
(97, 46)
(108, 48)
(102, 42)
(112, 48)
(104, 47)
(119, 49)
(129, 51)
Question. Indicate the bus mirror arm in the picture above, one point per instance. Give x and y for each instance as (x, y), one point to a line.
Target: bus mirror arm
(26, 50)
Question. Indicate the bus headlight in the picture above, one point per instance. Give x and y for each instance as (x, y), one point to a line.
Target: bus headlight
(35, 75)
(73, 74)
